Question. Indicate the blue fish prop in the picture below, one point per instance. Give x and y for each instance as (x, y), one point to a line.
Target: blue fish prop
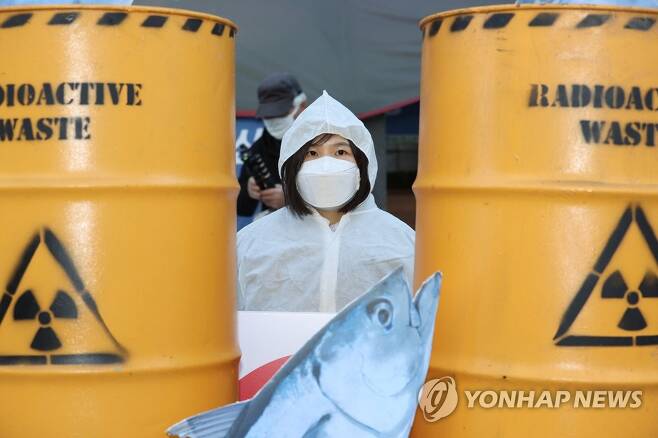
(358, 377)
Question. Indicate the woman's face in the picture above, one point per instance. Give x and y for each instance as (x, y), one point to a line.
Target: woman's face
(336, 147)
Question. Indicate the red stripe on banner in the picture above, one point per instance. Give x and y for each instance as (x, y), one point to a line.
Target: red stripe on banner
(246, 113)
(387, 108)
(251, 383)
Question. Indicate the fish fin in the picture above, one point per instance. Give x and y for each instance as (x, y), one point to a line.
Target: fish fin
(427, 299)
(215, 423)
(427, 303)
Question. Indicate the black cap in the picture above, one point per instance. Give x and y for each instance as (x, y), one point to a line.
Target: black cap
(275, 95)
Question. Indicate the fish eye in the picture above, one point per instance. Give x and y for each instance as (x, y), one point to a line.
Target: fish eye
(381, 313)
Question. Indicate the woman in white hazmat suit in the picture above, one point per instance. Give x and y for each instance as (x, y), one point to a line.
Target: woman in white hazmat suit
(330, 243)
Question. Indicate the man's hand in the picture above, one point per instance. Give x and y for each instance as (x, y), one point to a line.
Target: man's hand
(273, 198)
(252, 189)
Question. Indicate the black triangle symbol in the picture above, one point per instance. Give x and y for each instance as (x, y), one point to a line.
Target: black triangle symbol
(62, 307)
(631, 320)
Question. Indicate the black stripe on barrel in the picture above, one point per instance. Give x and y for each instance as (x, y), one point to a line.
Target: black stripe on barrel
(192, 24)
(218, 29)
(231, 33)
(498, 21)
(461, 22)
(434, 27)
(544, 19)
(154, 21)
(640, 23)
(63, 18)
(593, 20)
(16, 20)
(112, 18)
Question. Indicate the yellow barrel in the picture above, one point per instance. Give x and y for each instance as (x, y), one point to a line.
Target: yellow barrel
(117, 220)
(537, 197)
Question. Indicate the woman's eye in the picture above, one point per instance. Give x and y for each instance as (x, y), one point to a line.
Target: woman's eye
(311, 153)
(381, 313)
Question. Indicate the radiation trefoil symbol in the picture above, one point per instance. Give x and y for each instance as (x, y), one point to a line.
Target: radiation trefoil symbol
(30, 311)
(631, 322)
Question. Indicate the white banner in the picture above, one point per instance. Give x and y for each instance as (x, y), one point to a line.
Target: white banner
(267, 339)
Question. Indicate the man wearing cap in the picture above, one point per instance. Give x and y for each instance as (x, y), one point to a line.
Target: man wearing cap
(280, 101)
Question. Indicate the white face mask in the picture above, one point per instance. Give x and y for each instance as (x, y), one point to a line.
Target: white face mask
(278, 126)
(328, 183)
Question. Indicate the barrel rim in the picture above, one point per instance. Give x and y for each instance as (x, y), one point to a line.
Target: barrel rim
(530, 7)
(128, 9)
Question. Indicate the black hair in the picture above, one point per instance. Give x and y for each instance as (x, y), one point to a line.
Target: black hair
(291, 167)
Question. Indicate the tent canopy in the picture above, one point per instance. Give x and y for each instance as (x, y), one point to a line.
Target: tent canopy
(366, 53)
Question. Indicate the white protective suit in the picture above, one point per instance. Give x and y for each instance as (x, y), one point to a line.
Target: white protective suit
(287, 263)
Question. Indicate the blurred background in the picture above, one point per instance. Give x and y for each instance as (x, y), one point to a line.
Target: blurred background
(365, 53)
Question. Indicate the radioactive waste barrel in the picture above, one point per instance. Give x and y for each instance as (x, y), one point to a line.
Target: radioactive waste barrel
(117, 220)
(537, 197)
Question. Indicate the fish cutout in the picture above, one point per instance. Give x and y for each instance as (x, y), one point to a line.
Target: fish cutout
(359, 376)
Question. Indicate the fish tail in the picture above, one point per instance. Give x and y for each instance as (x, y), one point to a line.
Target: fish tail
(211, 424)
